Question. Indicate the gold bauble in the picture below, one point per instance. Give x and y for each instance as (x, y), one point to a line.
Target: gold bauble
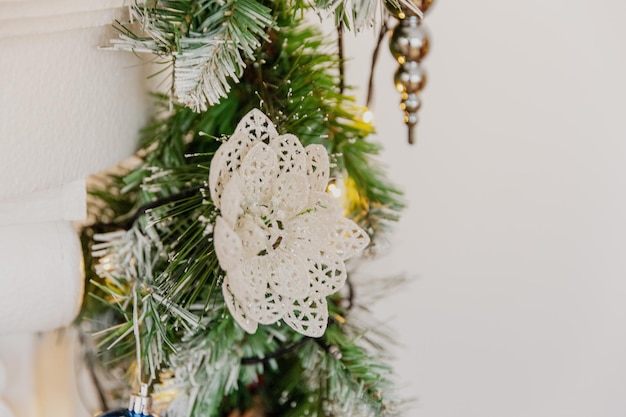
(409, 41)
(409, 78)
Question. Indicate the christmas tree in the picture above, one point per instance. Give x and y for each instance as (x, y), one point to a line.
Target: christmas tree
(221, 261)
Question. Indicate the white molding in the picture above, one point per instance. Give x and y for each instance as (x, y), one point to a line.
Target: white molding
(36, 17)
(66, 202)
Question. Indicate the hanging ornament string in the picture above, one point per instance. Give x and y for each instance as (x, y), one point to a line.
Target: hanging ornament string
(341, 57)
(370, 85)
(136, 332)
(140, 403)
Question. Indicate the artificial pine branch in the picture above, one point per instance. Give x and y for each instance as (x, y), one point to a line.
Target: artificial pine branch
(207, 41)
(157, 290)
(355, 14)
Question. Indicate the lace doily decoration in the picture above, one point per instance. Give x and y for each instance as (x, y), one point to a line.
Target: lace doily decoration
(281, 239)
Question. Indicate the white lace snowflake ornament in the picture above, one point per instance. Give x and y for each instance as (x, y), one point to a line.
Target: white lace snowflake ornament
(281, 239)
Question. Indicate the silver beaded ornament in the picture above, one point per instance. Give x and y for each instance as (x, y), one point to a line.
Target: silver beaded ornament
(409, 44)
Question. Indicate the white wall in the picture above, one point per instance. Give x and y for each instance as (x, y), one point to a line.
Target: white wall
(516, 230)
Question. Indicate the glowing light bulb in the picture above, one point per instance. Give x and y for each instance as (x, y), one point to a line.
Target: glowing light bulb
(106, 263)
(333, 189)
(367, 116)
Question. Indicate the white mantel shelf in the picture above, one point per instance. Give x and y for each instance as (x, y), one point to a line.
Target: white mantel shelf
(36, 17)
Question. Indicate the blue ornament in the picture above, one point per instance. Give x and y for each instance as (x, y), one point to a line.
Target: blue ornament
(124, 413)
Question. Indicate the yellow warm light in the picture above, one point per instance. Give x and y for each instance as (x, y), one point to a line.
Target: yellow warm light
(334, 190)
(106, 263)
(345, 191)
(367, 116)
(167, 391)
(355, 202)
(165, 396)
(340, 319)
